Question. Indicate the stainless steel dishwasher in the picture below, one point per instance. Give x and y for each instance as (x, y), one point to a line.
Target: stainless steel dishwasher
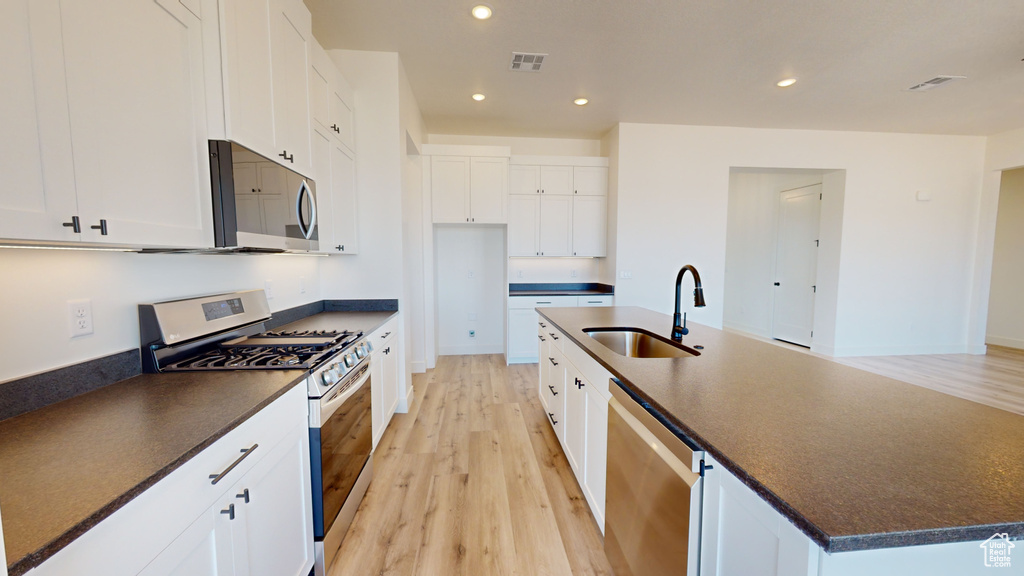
(653, 507)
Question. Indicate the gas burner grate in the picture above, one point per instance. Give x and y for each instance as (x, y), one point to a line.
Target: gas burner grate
(302, 333)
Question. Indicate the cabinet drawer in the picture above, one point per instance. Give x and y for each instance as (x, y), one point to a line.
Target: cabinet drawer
(603, 300)
(131, 537)
(382, 334)
(542, 301)
(555, 337)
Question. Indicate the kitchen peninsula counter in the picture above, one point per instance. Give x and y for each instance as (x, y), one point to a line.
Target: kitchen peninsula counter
(855, 460)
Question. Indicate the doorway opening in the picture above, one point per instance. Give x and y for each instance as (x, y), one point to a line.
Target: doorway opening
(1005, 325)
(783, 236)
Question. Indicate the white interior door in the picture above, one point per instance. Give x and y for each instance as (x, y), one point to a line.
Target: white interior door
(796, 264)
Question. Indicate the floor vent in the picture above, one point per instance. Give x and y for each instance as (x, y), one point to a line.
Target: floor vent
(934, 83)
(526, 62)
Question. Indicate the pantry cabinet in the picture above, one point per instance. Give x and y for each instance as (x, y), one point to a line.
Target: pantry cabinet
(558, 210)
(84, 87)
(266, 50)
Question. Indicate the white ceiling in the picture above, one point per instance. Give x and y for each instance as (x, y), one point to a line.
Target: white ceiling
(698, 62)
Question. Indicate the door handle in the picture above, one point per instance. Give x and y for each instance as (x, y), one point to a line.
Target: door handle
(285, 155)
(230, 511)
(245, 454)
(553, 393)
(75, 225)
(553, 361)
(552, 417)
(776, 283)
(307, 193)
(541, 337)
(102, 227)
(244, 495)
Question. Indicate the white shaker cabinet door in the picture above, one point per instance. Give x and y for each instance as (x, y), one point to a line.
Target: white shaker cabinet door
(205, 548)
(522, 335)
(37, 180)
(449, 188)
(590, 180)
(136, 96)
(248, 87)
(590, 226)
(341, 111)
(595, 463)
(556, 180)
(523, 179)
(344, 201)
(575, 420)
(291, 31)
(523, 225)
(555, 225)
(488, 190)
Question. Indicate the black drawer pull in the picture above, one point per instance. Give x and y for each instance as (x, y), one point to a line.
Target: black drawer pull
(230, 511)
(553, 393)
(541, 338)
(553, 361)
(244, 495)
(75, 225)
(553, 335)
(245, 454)
(552, 417)
(580, 383)
(542, 325)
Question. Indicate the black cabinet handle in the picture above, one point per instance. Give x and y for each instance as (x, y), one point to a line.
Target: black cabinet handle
(340, 247)
(553, 335)
(244, 495)
(542, 325)
(776, 283)
(580, 383)
(335, 128)
(386, 334)
(75, 225)
(102, 227)
(541, 337)
(552, 417)
(286, 156)
(553, 361)
(245, 454)
(553, 393)
(230, 511)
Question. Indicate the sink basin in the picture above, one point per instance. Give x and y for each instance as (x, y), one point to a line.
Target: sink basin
(637, 343)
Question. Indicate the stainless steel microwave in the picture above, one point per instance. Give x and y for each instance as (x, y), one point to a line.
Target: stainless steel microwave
(260, 204)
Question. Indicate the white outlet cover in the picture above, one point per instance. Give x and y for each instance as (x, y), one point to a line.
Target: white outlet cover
(302, 284)
(268, 287)
(80, 317)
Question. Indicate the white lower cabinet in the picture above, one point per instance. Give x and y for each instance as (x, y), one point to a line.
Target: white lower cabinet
(523, 319)
(257, 520)
(574, 391)
(384, 377)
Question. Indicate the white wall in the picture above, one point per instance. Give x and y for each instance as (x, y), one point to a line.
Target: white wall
(36, 285)
(1006, 307)
(525, 146)
(470, 289)
(904, 282)
(554, 270)
(1004, 151)
(411, 133)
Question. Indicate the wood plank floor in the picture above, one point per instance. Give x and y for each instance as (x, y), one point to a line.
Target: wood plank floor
(473, 481)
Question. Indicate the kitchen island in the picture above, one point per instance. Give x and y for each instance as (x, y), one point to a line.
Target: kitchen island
(858, 463)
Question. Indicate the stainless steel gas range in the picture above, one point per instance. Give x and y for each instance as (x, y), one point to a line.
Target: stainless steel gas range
(228, 332)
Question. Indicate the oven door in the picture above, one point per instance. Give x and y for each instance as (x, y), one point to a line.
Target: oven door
(341, 440)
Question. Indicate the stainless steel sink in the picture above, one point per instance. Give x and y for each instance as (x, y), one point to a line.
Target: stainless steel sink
(637, 343)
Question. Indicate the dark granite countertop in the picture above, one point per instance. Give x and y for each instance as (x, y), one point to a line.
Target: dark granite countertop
(69, 465)
(561, 289)
(855, 460)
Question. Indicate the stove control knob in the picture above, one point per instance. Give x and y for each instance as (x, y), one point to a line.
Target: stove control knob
(330, 377)
(369, 347)
(361, 351)
(349, 360)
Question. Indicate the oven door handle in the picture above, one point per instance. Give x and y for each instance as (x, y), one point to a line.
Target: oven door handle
(330, 406)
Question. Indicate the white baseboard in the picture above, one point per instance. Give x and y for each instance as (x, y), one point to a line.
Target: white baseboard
(900, 350)
(404, 403)
(1008, 342)
(736, 327)
(469, 350)
(979, 350)
(521, 360)
(418, 367)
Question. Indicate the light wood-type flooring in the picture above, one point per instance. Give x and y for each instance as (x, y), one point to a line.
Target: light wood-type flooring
(995, 378)
(472, 481)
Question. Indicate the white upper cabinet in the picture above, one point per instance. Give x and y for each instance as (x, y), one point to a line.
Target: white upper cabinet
(449, 184)
(135, 111)
(344, 208)
(291, 33)
(342, 111)
(37, 183)
(590, 180)
(590, 226)
(488, 190)
(523, 180)
(524, 225)
(556, 179)
(555, 225)
(321, 72)
(468, 184)
(266, 46)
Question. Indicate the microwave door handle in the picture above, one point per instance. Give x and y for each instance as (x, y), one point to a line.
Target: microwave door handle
(312, 209)
(298, 209)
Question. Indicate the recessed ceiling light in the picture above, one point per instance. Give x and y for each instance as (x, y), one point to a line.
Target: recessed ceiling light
(482, 12)
(580, 101)
(786, 82)
(478, 97)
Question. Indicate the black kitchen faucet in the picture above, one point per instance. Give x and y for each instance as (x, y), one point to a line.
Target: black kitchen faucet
(679, 329)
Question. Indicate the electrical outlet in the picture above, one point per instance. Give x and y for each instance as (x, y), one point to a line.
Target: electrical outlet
(268, 287)
(472, 333)
(80, 312)
(302, 284)
(519, 274)
(572, 273)
(472, 274)
(626, 275)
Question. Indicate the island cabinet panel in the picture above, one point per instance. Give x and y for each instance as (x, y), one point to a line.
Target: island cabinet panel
(187, 525)
(742, 534)
(582, 402)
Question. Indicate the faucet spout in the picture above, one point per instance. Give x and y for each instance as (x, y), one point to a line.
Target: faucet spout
(678, 325)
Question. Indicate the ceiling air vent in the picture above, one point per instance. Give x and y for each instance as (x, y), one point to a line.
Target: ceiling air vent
(934, 83)
(525, 62)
